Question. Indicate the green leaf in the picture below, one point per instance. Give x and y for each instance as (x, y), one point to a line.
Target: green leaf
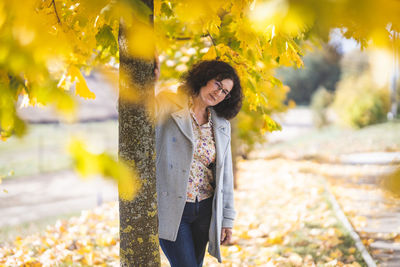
(166, 10)
(105, 38)
(140, 10)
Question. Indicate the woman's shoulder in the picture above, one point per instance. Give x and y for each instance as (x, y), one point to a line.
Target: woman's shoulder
(169, 97)
(168, 101)
(215, 115)
(165, 94)
(220, 121)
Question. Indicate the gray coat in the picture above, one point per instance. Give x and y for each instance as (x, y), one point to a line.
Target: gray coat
(174, 147)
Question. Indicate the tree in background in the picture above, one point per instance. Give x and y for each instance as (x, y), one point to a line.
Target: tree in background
(321, 69)
(320, 101)
(354, 64)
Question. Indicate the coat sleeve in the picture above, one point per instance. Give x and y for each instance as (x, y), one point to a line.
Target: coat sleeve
(229, 212)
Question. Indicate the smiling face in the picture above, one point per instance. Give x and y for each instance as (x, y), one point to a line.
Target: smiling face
(214, 92)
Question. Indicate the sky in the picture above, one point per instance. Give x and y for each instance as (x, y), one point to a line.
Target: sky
(346, 45)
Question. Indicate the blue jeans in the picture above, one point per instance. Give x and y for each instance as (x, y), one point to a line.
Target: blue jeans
(189, 248)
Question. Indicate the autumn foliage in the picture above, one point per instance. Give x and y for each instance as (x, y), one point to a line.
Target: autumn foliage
(47, 46)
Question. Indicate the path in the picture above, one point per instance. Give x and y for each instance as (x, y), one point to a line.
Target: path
(355, 181)
(373, 213)
(51, 194)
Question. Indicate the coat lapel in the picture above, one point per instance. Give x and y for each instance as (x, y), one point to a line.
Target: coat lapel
(220, 125)
(222, 136)
(182, 119)
(182, 116)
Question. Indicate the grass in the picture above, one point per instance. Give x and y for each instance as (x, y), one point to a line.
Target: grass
(44, 147)
(334, 140)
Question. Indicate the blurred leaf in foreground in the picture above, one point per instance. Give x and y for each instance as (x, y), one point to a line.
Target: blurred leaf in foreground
(88, 163)
(391, 182)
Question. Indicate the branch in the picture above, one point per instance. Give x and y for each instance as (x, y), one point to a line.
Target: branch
(182, 38)
(212, 39)
(185, 38)
(214, 44)
(55, 10)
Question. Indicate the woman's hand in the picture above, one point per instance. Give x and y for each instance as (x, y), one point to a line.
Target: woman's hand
(226, 236)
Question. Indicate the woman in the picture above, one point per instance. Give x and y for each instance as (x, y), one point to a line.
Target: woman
(194, 163)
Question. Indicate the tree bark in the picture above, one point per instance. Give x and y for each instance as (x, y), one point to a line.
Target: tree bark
(139, 244)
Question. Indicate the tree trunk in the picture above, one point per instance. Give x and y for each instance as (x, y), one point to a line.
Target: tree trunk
(139, 244)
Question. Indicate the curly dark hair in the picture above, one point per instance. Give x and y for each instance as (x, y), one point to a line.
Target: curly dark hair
(202, 72)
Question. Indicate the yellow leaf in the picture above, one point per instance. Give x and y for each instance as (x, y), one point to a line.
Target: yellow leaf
(211, 54)
(4, 79)
(192, 10)
(274, 238)
(244, 235)
(336, 254)
(352, 250)
(141, 40)
(291, 104)
(270, 125)
(81, 87)
(213, 25)
(7, 121)
(391, 183)
(87, 163)
(157, 8)
(128, 92)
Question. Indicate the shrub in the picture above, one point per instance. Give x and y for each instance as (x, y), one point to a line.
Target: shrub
(360, 102)
(320, 102)
(321, 68)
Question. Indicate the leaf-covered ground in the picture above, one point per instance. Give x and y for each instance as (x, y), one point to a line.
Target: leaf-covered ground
(284, 219)
(369, 202)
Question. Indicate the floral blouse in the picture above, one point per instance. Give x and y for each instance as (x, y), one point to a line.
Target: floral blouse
(201, 177)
